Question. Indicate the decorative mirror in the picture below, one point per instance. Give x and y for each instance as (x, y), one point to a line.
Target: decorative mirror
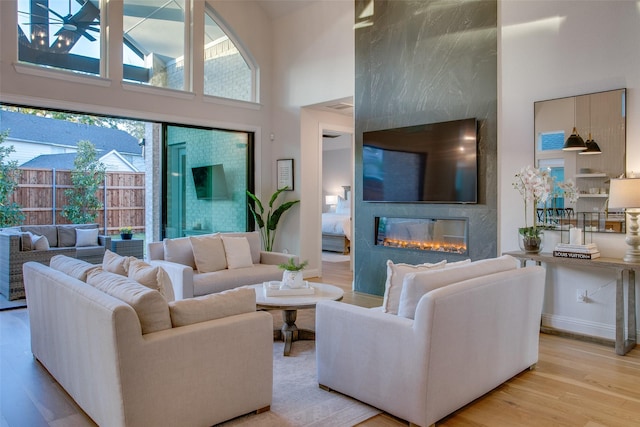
(583, 139)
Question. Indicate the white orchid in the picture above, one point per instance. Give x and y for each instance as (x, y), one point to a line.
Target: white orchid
(534, 186)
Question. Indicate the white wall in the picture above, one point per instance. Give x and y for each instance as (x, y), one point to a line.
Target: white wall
(314, 62)
(555, 49)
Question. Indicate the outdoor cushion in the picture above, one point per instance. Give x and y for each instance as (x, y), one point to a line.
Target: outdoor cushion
(88, 237)
(50, 231)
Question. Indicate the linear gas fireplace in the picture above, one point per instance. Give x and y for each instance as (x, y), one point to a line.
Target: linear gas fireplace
(425, 234)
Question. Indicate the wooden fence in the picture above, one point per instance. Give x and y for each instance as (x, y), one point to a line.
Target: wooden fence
(41, 195)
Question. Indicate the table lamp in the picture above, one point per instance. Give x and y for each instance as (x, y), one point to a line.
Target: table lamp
(625, 193)
(331, 200)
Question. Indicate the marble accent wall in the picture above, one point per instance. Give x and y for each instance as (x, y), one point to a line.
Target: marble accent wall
(418, 62)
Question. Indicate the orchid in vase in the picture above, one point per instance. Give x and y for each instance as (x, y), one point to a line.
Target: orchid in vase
(534, 186)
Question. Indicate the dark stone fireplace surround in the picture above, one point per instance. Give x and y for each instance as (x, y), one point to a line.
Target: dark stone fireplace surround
(415, 67)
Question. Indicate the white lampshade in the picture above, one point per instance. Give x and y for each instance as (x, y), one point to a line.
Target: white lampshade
(624, 193)
(331, 200)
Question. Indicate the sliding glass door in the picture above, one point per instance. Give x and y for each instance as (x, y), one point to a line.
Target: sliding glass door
(207, 174)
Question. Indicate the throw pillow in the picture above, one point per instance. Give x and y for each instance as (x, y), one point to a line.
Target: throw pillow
(208, 253)
(73, 267)
(151, 277)
(395, 276)
(114, 263)
(213, 306)
(40, 243)
(238, 252)
(151, 307)
(418, 284)
(86, 237)
(179, 250)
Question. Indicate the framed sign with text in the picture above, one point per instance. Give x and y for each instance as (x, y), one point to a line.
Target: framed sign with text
(284, 171)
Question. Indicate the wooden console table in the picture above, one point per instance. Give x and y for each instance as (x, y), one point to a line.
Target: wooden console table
(623, 343)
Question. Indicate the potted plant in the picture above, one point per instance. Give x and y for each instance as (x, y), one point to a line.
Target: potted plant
(292, 274)
(269, 224)
(126, 233)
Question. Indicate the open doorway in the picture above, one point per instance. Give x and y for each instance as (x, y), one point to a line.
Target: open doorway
(337, 184)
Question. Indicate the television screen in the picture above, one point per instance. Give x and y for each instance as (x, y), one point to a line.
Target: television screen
(436, 163)
(210, 182)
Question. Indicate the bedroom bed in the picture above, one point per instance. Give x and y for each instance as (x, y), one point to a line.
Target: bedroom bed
(336, 228)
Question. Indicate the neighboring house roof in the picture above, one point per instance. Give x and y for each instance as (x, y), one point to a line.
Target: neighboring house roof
(112, 160)
(43, 130)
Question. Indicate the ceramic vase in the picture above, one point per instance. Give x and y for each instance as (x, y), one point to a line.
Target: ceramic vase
(292, 279)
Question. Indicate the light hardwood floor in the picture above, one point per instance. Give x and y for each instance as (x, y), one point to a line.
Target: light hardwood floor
(575, 384)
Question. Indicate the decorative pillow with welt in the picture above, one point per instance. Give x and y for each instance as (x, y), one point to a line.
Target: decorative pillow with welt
(114, 263)
(395, 276)
(208, 253)
(150, 306)
(418, 284)
(212, 306)
(86, 237)
(238, 252)
(179, 250)
(153, 277)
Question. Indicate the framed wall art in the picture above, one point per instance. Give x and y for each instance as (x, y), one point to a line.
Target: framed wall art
(284, 171)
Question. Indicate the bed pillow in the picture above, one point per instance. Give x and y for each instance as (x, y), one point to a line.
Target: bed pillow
(395, 276)
(213, 306)
(343, 207)
(153, 277)
(418, 284)
(238, 252)
(208, 253)
(86, 237)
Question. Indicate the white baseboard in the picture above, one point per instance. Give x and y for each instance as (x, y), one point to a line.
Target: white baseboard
(579, 326)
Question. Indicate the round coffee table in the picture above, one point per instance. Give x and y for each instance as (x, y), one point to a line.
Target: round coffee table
(290, 306)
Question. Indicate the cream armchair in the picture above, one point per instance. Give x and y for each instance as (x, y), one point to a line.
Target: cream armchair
(467, 338)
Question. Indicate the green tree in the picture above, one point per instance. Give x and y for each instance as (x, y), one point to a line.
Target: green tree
(10, 212)
(87, 177)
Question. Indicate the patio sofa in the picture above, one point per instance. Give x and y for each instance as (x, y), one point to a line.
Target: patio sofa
(459, 332)
(129, 357)
(202, 265)
(24, 243)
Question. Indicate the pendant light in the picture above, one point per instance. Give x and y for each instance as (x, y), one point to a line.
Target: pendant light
(592, 146)
(575, 141)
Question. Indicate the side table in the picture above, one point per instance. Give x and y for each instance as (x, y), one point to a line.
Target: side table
(132, 247)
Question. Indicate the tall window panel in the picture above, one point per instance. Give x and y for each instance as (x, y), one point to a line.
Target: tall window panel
(153, 42)
(207, 175)
(62, 34)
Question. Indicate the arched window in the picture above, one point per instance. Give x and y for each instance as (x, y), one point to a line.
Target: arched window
(229, 71)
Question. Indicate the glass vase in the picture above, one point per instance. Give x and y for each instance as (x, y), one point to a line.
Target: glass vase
(531, 244)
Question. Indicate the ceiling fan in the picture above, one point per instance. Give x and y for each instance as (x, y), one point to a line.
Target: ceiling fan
(80, 22)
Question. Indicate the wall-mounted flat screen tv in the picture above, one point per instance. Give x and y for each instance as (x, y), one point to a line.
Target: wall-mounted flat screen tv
(210, 182)
(434, 163)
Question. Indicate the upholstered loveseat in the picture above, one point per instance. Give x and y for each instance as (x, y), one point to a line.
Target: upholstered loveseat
(41, 242)
(458, 333)
(129, 357)
(201, 265)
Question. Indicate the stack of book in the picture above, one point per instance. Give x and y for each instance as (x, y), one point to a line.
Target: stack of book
(566, 250)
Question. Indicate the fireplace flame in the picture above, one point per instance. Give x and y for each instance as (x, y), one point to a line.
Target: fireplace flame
(455, 248)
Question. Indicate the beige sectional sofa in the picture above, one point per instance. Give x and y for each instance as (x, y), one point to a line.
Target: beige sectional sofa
(458, 333)
(40, 243)
(129, 357)
(202, 265)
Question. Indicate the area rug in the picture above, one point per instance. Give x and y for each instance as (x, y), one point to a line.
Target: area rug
(297, 399)
(334, 257)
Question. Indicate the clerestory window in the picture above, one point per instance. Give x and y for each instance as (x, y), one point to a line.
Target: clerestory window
(63, 34)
